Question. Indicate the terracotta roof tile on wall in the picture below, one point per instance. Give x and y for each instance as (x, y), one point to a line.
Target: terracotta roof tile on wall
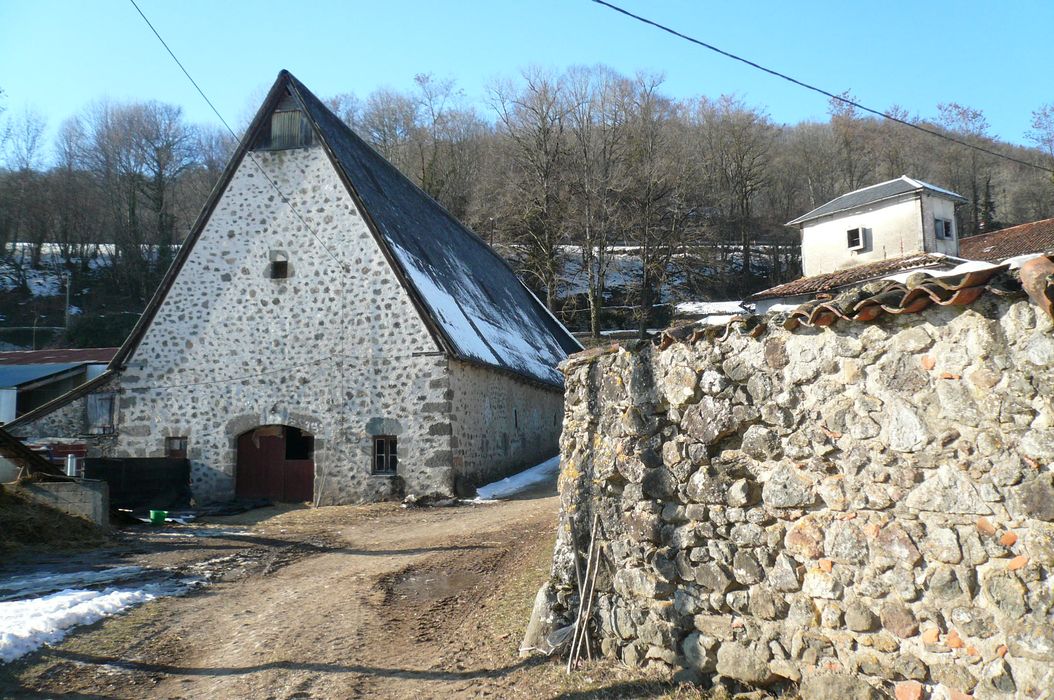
(1035, 237)
(870, 301)
(854, 275)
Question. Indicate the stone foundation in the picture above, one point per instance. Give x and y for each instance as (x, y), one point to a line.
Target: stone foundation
(865, 510)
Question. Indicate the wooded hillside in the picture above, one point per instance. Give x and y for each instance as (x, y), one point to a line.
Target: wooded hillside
(603, 189)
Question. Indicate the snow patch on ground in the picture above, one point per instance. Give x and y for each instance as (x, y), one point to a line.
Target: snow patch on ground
(26, 625)
(47, 582)
(517, 483)
(710, 308)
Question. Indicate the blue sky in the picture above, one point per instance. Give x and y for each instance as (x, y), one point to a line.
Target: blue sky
(58, 55)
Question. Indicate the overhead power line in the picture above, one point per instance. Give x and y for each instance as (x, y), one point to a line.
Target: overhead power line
(285, 200)
(807, 86)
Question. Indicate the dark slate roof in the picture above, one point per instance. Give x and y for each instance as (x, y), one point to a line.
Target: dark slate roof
(1035, 237)
(38, 357)
(473, 303)
(481, 308)
(875, 193)
(855, 275)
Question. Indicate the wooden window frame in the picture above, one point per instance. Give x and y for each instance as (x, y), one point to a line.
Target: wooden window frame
(385, 458)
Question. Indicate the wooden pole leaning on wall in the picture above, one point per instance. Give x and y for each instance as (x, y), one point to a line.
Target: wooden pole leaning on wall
(579, 627)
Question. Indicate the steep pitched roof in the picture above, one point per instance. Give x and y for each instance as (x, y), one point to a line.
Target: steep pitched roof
(468, 296)
(875, 193)
(1034, 237)
(855, 275)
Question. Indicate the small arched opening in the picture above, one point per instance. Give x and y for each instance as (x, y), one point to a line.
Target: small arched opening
(276, 462)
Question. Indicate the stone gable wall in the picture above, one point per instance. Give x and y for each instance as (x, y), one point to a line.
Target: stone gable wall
(343, 355)
(863, 509)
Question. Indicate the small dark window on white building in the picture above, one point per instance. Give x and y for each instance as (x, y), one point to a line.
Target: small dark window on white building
(855, 238)
(944, 229)
(176, 447)
(279, 269)
(385, 455)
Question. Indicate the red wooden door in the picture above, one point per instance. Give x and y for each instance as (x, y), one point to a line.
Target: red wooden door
(264, 472)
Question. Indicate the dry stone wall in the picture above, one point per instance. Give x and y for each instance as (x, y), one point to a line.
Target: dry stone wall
(866, 510)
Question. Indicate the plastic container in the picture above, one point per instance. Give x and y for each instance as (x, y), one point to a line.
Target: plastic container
(157, 517)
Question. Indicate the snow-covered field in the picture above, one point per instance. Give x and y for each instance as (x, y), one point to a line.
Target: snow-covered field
(520, 482)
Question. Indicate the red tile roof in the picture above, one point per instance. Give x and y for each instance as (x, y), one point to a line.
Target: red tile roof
(1035, 237)
(855, 275)
(56, 356)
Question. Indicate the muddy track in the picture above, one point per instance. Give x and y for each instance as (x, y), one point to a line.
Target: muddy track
(379, 602)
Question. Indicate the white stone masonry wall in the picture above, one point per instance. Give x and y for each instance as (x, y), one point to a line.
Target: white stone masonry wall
(500, 424)
(341, 354)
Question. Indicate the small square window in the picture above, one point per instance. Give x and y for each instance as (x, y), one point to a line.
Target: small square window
(944, 229)
(385, 455)
(176, 447)
(279, 269)
(855, 238)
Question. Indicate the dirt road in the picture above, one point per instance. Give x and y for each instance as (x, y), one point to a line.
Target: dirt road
(343, 602)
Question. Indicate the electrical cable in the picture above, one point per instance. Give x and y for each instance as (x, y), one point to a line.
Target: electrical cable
(285, 200)
(831, 95)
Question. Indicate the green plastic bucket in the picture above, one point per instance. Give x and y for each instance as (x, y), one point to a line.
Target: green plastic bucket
(157, 517)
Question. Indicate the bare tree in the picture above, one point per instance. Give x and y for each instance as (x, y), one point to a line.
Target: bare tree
(855, 157)
(599, 101)
(532, 117)
(967, 169)
(739, 141)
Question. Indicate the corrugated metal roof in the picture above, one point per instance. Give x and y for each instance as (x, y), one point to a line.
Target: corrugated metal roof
(875, 193)
(37, 357)
(1034, 237)
(12, 376)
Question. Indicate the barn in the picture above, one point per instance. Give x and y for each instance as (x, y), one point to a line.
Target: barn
(328, 332)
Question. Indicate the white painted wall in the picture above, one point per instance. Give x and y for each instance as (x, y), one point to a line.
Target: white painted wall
(894, 228)
(8, 470)
(939, 207)
(8, 405)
